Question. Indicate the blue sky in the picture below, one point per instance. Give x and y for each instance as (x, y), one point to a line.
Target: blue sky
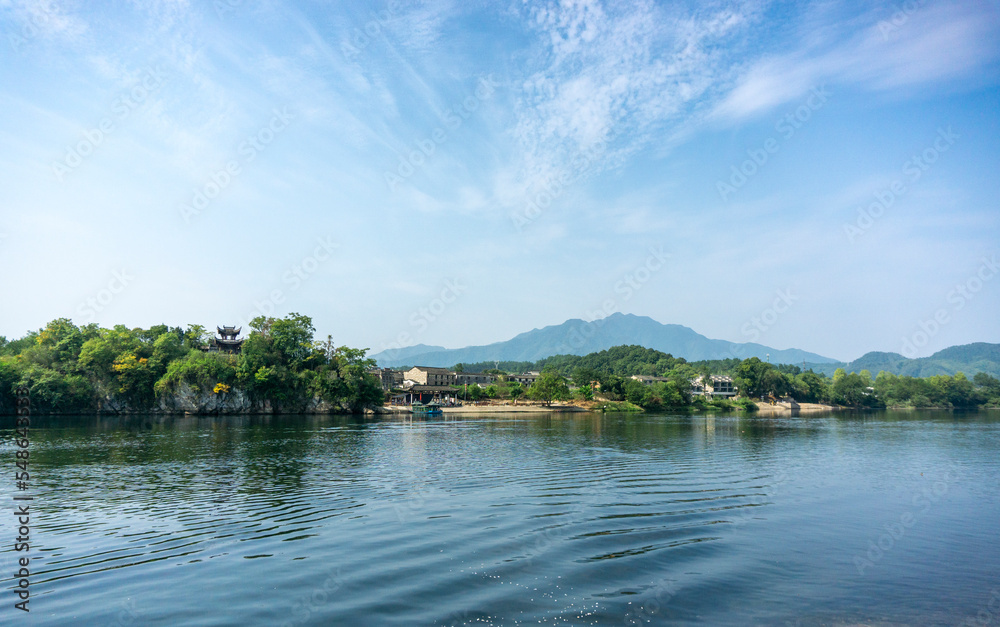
(812, 175)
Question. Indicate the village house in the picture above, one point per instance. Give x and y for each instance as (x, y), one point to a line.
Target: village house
(718, 386)
(425, 375)
(525, 379)
(648, 380)
(391, 379)
(474, 378)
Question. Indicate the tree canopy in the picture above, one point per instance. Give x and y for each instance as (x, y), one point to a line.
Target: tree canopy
(67, 368)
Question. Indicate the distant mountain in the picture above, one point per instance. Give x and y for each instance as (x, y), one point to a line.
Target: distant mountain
(968, 358)
(578, 337)
(404, 354)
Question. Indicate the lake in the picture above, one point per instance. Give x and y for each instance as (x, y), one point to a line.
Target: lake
(884, 518)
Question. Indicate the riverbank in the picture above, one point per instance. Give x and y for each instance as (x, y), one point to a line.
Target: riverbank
(494, 409)
(767, 409)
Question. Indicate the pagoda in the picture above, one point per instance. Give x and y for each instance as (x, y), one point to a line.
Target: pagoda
(228, 342)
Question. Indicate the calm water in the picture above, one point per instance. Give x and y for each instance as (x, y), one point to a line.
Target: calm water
(577, 519)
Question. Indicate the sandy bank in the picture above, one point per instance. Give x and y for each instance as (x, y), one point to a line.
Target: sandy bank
(785, 409)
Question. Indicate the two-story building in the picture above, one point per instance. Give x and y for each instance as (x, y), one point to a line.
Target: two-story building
(426, 375)
(526, 378)
(719, 386)
(391, 379)
(475, 378)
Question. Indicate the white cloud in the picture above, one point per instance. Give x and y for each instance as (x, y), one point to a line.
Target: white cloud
(932, 44)
(615, 74)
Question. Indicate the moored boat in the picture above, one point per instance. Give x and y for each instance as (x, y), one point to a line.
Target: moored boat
(432, 408)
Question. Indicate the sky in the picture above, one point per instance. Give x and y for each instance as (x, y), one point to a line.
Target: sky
(816, 175)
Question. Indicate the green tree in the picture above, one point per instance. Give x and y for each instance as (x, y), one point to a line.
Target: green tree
(195, 336)
(852, 389)
(548, 387)
(750, 377)
(516, 391)
(810, 387)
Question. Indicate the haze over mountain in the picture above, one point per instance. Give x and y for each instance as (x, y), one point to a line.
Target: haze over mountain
(968, 359)
(578, 337)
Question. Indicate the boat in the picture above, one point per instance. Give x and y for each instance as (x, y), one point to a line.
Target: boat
(432, 408)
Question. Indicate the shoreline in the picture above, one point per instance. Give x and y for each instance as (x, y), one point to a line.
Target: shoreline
(786, 408)
(493, 409)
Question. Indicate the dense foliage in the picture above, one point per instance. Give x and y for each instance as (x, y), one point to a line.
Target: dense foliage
(608, 375)
(67, 368)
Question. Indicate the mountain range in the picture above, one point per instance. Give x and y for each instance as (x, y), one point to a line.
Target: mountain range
(968, 359)
(579, 337)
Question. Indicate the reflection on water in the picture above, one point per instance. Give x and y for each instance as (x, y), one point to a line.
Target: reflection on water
(575, 519)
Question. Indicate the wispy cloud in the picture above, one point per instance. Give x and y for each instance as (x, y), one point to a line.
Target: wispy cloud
(615, 74)
(934, 43)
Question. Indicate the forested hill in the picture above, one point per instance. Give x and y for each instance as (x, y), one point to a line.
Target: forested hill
(612, 369)
(71, 369)
(968, 358)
